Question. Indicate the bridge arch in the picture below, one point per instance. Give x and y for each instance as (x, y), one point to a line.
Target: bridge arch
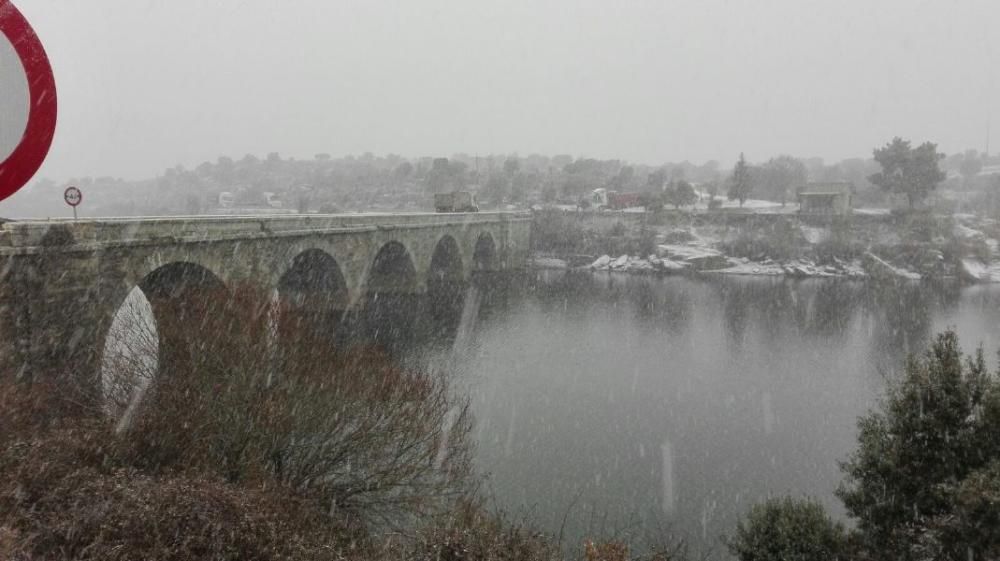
(312, 294)
(484, 255)
(179, 279)
(446, 261)
(446, 291)
(390, 303)
(392, 270)
(158, 326)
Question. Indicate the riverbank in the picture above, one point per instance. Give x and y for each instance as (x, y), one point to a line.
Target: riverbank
(653, 264)
(906, 248)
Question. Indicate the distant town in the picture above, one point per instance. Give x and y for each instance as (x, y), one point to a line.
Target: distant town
(392, 183)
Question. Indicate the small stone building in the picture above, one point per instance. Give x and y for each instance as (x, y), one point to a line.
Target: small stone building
(826, 198)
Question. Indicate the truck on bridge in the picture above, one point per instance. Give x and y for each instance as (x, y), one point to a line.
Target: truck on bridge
(456, 201)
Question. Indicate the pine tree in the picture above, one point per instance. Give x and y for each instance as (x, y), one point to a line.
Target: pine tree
(740, 184)
(935, 427)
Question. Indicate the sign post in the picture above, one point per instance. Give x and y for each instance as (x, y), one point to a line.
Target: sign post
(19, 162)
(73, 197)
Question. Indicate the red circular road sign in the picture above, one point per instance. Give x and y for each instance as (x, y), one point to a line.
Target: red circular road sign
(28, 155)
(73, 196)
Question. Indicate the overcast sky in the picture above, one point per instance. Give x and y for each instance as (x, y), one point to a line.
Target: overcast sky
(145, 84)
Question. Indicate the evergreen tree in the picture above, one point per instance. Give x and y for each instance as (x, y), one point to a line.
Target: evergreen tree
(910, 171)
(787, 529)
(681, 193)
(936, 426)
(740, 184)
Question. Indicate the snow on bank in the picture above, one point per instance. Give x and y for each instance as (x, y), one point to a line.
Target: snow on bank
(814, 235)
(549, 263)
(749, 204)
(630, 264)
(729, 266)
(962, 231)
(976, 271)
(879, 269)
(685, 252)
(872, 211)
(793, 268)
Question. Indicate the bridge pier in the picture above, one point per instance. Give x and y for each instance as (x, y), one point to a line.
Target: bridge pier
(53, 314)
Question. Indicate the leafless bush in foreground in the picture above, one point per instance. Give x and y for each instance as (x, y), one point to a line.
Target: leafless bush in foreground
(249, 390)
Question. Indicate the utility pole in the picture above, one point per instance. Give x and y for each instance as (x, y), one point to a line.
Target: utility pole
(986, 155)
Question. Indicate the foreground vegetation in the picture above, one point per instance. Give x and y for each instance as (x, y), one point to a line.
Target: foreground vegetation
(265, 441)
(261, 442)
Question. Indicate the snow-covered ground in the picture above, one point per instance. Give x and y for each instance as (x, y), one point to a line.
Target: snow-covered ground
(814, 235)
(697, 249)
(629, 264)
(749, 204)
(688, 252)
(976, 271)
(872, 211)
(880, 268)
(730, 266)
(548, 263)
(964, 232)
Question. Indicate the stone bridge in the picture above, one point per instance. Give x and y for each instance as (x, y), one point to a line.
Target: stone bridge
(62, 282)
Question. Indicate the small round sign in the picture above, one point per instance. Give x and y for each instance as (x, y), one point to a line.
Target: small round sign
(73, 196)
(19, 162)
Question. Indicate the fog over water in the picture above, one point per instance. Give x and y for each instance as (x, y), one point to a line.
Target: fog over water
(144, 85)
(653, 403)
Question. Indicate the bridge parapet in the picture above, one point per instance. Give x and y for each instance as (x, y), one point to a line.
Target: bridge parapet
(31, 235)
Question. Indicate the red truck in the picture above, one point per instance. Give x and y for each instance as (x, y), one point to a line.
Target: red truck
(603, 199)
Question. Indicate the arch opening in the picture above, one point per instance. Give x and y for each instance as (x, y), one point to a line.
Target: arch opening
(446, 289)
(484, 257)
(446, 262)
(159, 328)
(129, 358)
(184, 298)
(312, 296)
(392, 270)
(391, 304)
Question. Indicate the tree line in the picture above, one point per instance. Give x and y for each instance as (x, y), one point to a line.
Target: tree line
(393, 182)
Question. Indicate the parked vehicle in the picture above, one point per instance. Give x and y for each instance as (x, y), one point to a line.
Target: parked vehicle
(456, 201)
(604, 199)
(272, 200)
(226, 199)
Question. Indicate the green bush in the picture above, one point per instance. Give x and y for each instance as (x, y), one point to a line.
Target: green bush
(973, 527)
(788, 529)
(781, 240)
(828, 250)
(956, 249)
(556, 231)
(924, 226)
(936, 426)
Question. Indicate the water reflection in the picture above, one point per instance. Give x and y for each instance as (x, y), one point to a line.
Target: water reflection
(678, 402)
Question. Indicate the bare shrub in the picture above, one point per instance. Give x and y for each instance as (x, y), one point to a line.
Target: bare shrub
(252, 439)
(469, 532)
(254, 392)
(61, 499)
(27, 407)
(605, 551)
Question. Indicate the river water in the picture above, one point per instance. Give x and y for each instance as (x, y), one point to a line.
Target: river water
(643, 407)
